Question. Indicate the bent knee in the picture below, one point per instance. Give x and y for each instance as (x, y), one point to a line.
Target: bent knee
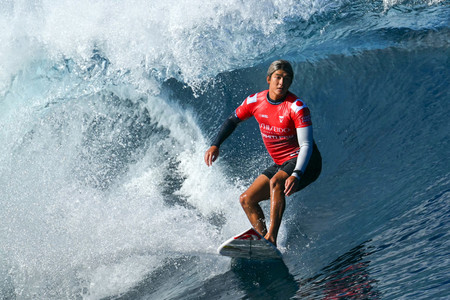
(277, 183)
(245, 200)
(248, 200)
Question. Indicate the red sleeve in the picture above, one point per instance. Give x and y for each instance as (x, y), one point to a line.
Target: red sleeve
(244, 111)
(301, 114)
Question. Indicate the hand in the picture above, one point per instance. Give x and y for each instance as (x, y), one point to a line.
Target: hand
(291, 185)
(211, 155)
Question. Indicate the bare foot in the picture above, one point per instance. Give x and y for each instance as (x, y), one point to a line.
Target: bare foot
(271, 239)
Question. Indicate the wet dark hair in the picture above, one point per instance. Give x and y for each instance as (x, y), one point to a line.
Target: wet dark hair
(280, 65)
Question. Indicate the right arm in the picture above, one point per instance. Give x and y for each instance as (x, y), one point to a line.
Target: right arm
(226, 129)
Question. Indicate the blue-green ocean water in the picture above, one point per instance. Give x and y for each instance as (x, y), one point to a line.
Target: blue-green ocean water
(106, 109)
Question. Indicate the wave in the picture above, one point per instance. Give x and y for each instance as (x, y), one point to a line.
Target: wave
(106, 111)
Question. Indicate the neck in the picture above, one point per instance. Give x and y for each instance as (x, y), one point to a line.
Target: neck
(277, 100)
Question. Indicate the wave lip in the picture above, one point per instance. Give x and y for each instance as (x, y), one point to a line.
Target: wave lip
(105, 112)
(193, 42)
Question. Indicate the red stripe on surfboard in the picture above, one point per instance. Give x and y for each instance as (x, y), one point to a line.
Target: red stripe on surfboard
(250, 234)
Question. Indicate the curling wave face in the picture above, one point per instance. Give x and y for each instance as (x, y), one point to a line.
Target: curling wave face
(106, 110)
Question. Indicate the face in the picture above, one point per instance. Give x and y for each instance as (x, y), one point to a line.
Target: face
(279, 84)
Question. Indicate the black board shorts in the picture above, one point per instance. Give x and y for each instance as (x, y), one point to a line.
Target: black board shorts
(312, 171)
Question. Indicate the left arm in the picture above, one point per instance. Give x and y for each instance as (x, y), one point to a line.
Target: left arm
(305, 140)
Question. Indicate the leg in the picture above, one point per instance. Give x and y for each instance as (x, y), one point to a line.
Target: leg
(277, 205)
(258, 191)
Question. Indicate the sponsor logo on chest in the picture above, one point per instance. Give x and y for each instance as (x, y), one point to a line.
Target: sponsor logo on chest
(274, 129)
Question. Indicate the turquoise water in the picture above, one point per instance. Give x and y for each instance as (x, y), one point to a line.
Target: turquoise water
(106, 110)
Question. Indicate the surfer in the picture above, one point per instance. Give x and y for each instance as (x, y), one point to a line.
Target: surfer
(286, 129)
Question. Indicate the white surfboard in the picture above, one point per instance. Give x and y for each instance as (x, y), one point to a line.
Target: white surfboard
(249, 244)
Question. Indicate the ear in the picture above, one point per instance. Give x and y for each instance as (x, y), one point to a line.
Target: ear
(268, 79)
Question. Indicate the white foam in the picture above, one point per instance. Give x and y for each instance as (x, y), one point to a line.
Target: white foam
(60, 230)
(187, 40)
(59, 233)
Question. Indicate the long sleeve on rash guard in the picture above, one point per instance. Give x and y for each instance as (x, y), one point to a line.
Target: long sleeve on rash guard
(226, 129)
(305, 140)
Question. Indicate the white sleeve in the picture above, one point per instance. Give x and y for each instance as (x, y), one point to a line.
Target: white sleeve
(305, 140)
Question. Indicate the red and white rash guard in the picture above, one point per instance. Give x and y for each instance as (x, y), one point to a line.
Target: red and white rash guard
(278, 122)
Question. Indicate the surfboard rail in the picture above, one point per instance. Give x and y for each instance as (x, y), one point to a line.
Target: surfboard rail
(251, 245)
